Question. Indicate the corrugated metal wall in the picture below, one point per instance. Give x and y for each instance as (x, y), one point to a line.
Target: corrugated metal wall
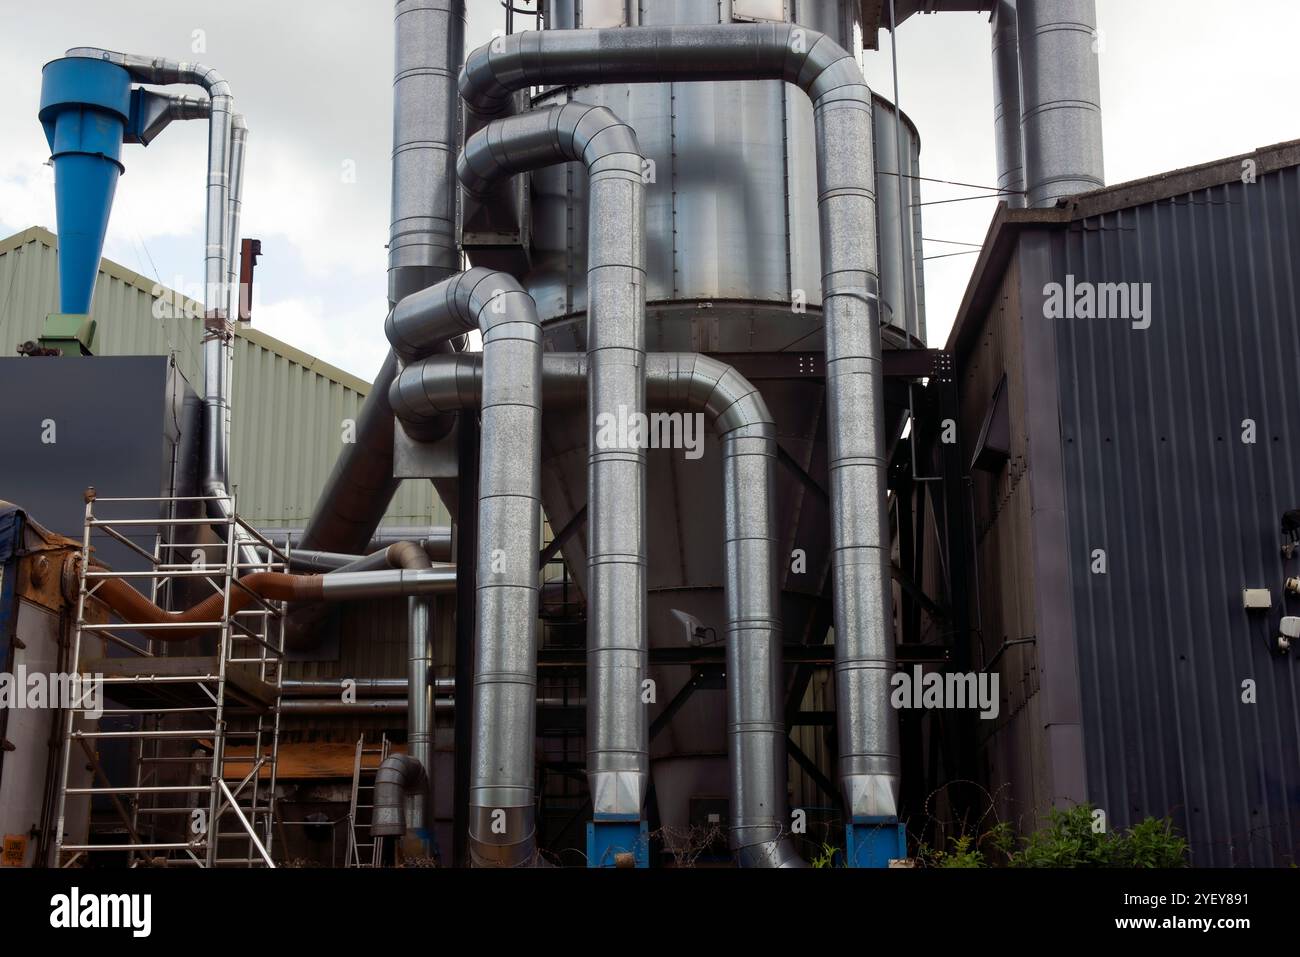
(1158, 476)
(279, 460)
(1148, 690)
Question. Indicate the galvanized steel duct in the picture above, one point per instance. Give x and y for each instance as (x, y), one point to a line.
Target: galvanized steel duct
(502, 814)
(755, 672)
(868, 730)
(1060, 89)
(238, 141)
(401, 794)
(419, 718)
(221, 219)
(618, 741)
(429, 48)
(1007, 143)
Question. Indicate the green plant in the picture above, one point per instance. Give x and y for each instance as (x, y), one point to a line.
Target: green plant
(969, 851)
(825, 857)
(1071, 839)
(1153, 843)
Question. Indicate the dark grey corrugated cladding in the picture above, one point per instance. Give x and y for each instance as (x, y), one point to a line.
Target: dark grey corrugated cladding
(1156, 473)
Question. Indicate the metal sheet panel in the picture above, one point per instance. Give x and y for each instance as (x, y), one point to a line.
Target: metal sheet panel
(1157, 474)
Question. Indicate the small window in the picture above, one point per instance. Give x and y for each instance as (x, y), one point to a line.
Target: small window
(758, 10)
(597, 14)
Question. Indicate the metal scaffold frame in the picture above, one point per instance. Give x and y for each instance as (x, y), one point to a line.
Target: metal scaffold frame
(229, 689)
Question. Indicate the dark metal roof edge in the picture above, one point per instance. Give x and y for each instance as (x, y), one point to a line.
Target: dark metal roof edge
(1007, 223)
(875, 14)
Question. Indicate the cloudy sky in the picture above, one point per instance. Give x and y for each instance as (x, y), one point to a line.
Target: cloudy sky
(1182, 83)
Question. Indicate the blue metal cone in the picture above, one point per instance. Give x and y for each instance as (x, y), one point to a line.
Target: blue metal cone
(83, 197)
(85, 105)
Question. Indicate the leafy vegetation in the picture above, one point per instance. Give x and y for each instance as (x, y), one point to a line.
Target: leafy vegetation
(1071, 838)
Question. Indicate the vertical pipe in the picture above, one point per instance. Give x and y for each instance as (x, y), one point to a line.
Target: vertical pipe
(618, 747)
(755, 673)
(501, 810)
(466, 544)
(868, 727)
(429, 49)
(618, 765)
(911, 320)
(1060, 107)
(238, 138)
(1006, 104)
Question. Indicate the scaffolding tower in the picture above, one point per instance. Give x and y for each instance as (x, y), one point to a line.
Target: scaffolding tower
(177, 704)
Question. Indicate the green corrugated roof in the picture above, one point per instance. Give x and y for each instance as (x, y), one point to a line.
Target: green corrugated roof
(39, 234)
(279, 463)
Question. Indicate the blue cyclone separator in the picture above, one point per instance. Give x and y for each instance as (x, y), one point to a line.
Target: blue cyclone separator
(875, 841)
(610, 835)
(85, 107)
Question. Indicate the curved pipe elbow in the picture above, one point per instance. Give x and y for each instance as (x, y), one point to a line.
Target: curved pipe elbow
(400, 777)
(771, 51)
(160, 70)
(573, 132)
(779, 853)
(478, 298)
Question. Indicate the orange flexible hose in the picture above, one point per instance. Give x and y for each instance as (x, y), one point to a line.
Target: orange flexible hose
(135, 609)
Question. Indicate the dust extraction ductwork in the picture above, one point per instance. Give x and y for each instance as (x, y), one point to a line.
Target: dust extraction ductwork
(667, 209)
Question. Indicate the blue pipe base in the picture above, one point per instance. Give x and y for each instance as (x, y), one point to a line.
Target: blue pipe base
(875, 841)
(610, 837)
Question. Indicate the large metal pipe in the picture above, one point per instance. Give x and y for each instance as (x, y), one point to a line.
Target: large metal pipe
(218, 334)
(390, 705)
(618, 752)
(755, 672)
(1008, 145)
(238, 142)
(429, 48)
(867, 725)
(303, 687)
(419, 718)
(434, 539)
(392, 583)
(755, 663)
(401, 794)
(502, 827)
(1060, 88)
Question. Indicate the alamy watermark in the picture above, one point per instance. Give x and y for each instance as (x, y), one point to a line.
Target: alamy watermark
(1129, 301)
(626, 429)
(76, 910)
(39, 690)
(945, 691)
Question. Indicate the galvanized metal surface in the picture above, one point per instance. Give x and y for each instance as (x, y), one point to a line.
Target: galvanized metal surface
(1157, 475)
(278, 461)
(1060, 106)
(830, 76)
(1007, 142)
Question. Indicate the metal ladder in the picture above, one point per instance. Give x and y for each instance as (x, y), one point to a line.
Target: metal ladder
(178, 708)
(364, 848)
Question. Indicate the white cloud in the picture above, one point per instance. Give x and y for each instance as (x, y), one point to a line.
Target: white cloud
(352, 339)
